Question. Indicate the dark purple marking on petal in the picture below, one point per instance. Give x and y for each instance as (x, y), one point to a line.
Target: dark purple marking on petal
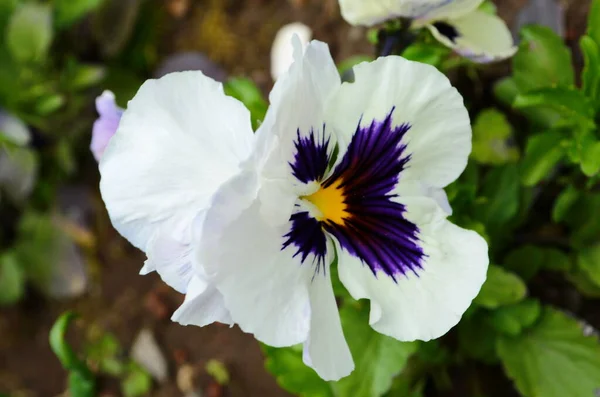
(307, 235)
(447, 30)
(376, 230)
(311, 158)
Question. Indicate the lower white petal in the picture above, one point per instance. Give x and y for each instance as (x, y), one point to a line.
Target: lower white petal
(265, 287)
(203, 305)
(326, 349)
(421, 302)
(477, 35)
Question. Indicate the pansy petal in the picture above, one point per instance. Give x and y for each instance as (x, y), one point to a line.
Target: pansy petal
(296, 115)
(424, 301)
(282, 51)
(293, 122)
(265, 286)
(478, 36)
(415, 95)
(180, 138)
(276, 284)
(368, 13)
(326, 349)
(107, 123)
(450, 9)
(203, 305)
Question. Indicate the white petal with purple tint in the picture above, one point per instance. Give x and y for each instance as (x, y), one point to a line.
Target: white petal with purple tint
(107, 123)
(481, 37)
(178, 141)
(371, 12)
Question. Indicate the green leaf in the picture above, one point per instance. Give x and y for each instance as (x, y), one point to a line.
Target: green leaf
(588, 260)
(218, 371)
(491, 134)
(583, 219)
(594, 21)
(60, 346)
(527, 260)
(499, 200)
(584, 285)
(49, 104)
(29, 32)
(430, 53)
(80, 385)
(543, 60)
(85, 76)
(477, 338)
(590, 75)
(553, 359)
(501, 288)
(514, 319)
(506, 90)
(293, 375)
(67, 12)
(248, 93)
(570, 103)
(104, 351)
(137, 382)
(564, 202)
(12, 280)
(542, 153)
(6, 9)
(590, 159)
(351, 62)
(378, 358)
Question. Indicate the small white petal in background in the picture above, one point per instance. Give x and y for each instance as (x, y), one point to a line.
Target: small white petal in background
(14, 129)
(282, 51)
(458, 24)
(145, 352)
(107, 123)
(479, 36)
(19, 164)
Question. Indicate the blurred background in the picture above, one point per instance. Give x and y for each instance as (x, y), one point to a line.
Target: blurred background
(58, 251)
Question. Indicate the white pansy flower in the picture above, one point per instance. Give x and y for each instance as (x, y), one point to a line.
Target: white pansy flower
(249, 224)
(458, 24)
(282, 51)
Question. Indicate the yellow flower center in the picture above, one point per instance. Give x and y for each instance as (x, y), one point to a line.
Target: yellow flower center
(331, 203)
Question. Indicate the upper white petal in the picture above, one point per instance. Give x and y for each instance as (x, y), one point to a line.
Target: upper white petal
(371, 12)
(298, 101)
(451, 9)
(427, 304)
(282, 51)
(482, 37)
(178, 141)
(439, 139)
